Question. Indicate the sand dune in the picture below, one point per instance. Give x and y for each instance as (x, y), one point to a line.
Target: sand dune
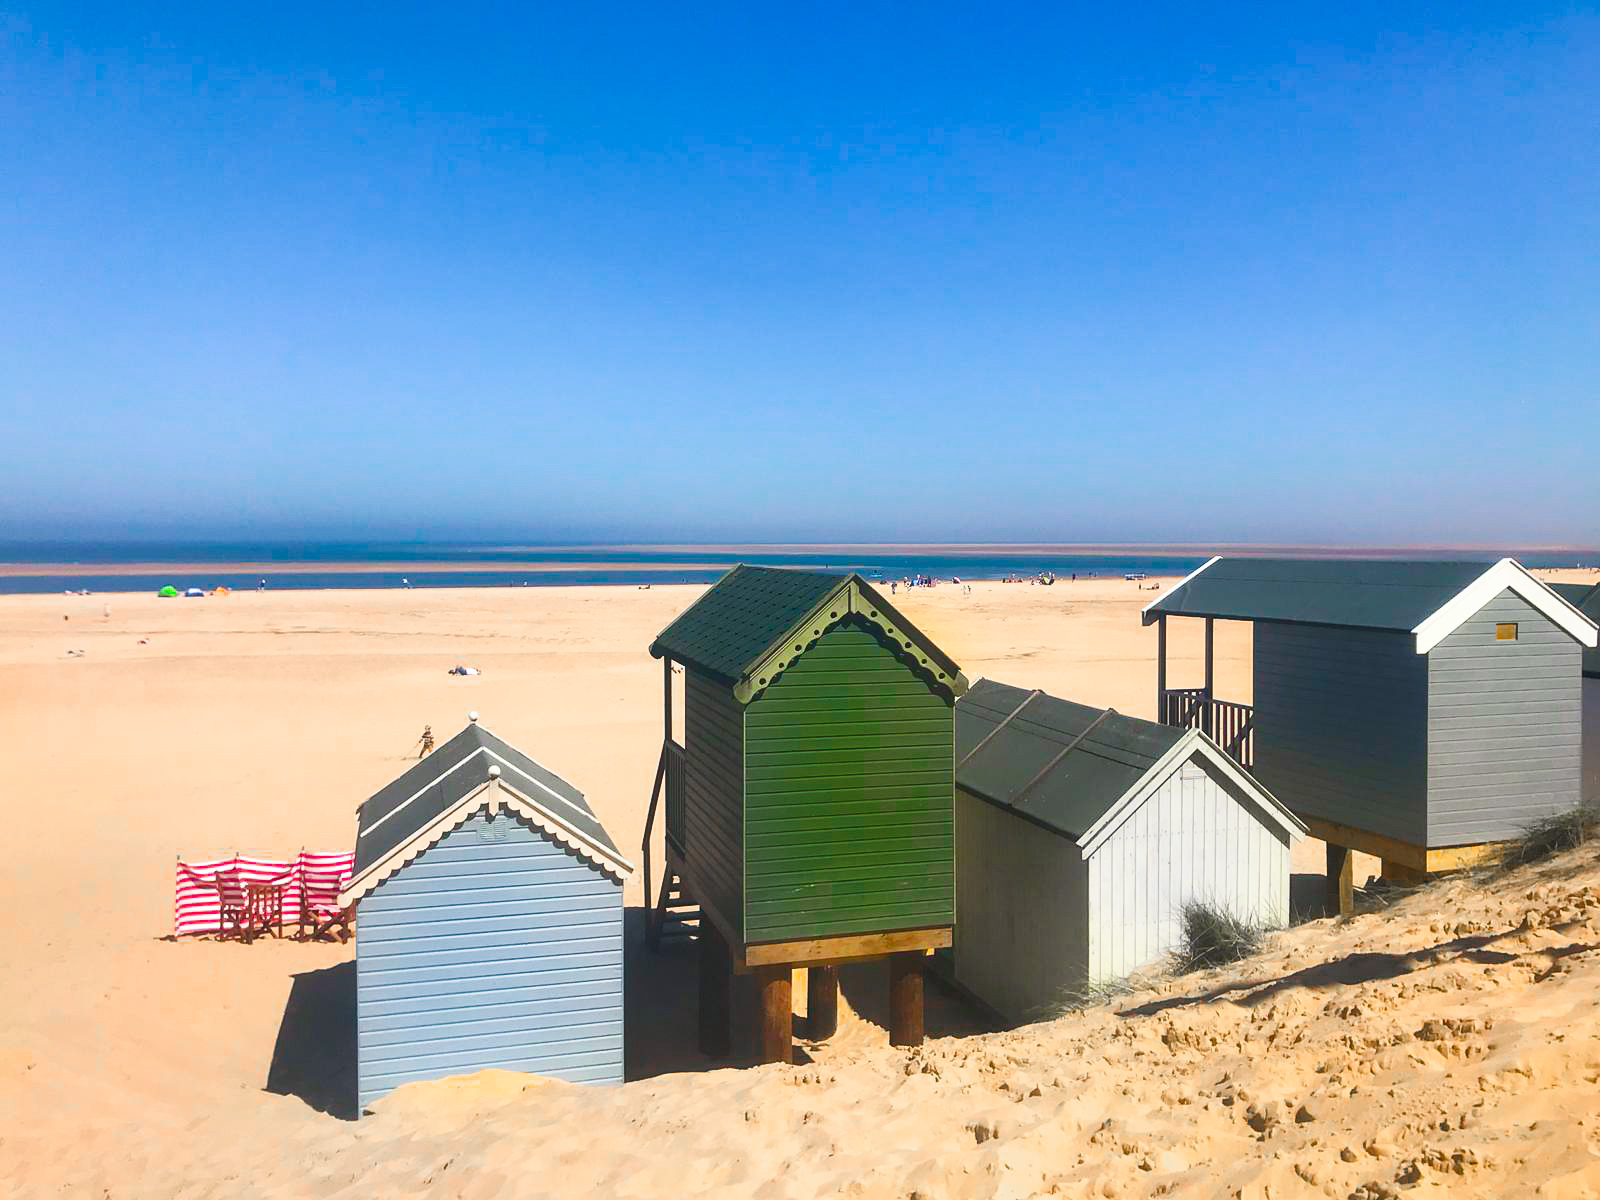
(1449, 1043)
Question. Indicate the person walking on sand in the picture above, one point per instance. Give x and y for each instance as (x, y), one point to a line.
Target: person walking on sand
(426, 741)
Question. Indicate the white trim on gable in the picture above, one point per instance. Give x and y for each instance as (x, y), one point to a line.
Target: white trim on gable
(1190, 745)
(1505, 575)
(493, 795)
(1144, 613)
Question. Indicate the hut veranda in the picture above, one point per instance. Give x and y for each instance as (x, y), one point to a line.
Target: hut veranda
(810, 808)
(491, 930)
(1080, 835)
(1423, 712)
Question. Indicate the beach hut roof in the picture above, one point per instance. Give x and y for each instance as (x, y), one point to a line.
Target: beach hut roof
(1428, 598)
(1072, 768)
(1585, 597)
(472, 771)
(754, 620)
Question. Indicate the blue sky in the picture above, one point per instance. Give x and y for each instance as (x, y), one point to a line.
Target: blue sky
(817, 272)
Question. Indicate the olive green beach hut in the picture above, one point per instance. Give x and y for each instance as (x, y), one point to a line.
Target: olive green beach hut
(810, 809)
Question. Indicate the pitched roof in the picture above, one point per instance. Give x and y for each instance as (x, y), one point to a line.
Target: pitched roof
(1072, 768)
(1428, 598)
(1585, 597)
(450, 784)
(1108, 754)
(740, 629)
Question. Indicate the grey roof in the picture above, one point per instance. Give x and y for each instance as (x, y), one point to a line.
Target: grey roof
(1082, 787)
(1367, 593)
(1585, 597)
(453, 770)
(751, 609)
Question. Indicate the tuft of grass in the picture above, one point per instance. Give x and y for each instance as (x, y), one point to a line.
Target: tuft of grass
(1549, 836)
(1214, 937)
(1092, 995)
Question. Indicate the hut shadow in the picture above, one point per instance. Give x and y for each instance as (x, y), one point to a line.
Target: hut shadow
(314, 1057)
(945, 1012)
(1353, 969)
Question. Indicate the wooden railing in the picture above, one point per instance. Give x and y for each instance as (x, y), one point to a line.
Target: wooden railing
(674, 753)
(668, 786)
(1231, 725)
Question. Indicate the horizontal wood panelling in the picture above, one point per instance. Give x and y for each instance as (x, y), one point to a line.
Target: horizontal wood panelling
(494, 948)
(1341, 725)
(714, 783)
(1505, 725)
(849, 792)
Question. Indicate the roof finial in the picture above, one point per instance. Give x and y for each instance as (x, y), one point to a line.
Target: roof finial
(494, 772)
(473, 716)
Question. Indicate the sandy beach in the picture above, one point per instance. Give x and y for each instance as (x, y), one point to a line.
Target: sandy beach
(1454, 1037)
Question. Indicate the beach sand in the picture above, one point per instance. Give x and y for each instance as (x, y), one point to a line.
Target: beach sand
(131, 1065)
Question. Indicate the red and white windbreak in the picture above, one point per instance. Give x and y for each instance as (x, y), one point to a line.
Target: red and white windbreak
(196, 905)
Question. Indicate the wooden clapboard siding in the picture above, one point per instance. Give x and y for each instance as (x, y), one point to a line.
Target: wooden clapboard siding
(1504, 725)
(1195, 837)
(1341, 725)
(714, 795)
(495, 947)
(1591, 739)
(1022, 911)
(848, 794)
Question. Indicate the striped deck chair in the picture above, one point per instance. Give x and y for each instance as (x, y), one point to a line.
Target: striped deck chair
(322, 877)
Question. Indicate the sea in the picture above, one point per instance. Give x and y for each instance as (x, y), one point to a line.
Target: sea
(421, 565)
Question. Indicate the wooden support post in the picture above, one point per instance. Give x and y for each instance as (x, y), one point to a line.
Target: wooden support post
(716, 984)
(905, 999)
(822, 1002)
(1400, 873)
(1341, 879)
(1161, 669)
(776, 1044)
(666, 697)
(1205, 715)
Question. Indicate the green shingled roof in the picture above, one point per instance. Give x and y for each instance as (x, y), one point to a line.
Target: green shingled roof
(751, 613)
(1369, 593)
(1585, 597)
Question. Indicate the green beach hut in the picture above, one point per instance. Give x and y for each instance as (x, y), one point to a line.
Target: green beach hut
(810, 808)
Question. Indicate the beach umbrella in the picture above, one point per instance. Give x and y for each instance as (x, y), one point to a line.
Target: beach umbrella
(169, 590)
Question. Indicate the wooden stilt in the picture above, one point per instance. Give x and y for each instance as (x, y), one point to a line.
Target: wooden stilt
(1407, 876)
(716, 982)
(1205, 714)
(776, 1043)
(1341, 879)
(822, 1002)
(905, 999)
(1161, 669)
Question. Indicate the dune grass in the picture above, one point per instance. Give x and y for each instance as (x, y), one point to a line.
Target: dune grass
(1214, 937)
(1552, 835)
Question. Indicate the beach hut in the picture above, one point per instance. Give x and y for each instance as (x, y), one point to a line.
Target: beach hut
(489, 928)
(1080, 836)
(1424, 712)
(1585, 597)
(810, 808)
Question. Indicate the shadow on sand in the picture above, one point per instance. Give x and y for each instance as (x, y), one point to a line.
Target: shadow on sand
(315, 1054)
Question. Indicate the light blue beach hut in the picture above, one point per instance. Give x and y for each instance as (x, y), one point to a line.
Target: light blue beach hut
(490, 928)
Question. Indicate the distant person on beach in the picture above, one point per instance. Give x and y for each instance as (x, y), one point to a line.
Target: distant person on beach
(426, 741)
(261, 586)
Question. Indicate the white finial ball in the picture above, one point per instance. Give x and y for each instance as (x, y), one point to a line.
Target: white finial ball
(494, 772)
(473, 717)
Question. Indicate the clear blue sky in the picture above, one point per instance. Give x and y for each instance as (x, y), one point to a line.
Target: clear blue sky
(802, 272)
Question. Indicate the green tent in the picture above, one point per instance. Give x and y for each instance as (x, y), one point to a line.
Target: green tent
(169, 590)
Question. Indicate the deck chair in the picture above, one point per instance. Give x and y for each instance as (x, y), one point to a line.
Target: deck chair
(322, 876)
(231, 915)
